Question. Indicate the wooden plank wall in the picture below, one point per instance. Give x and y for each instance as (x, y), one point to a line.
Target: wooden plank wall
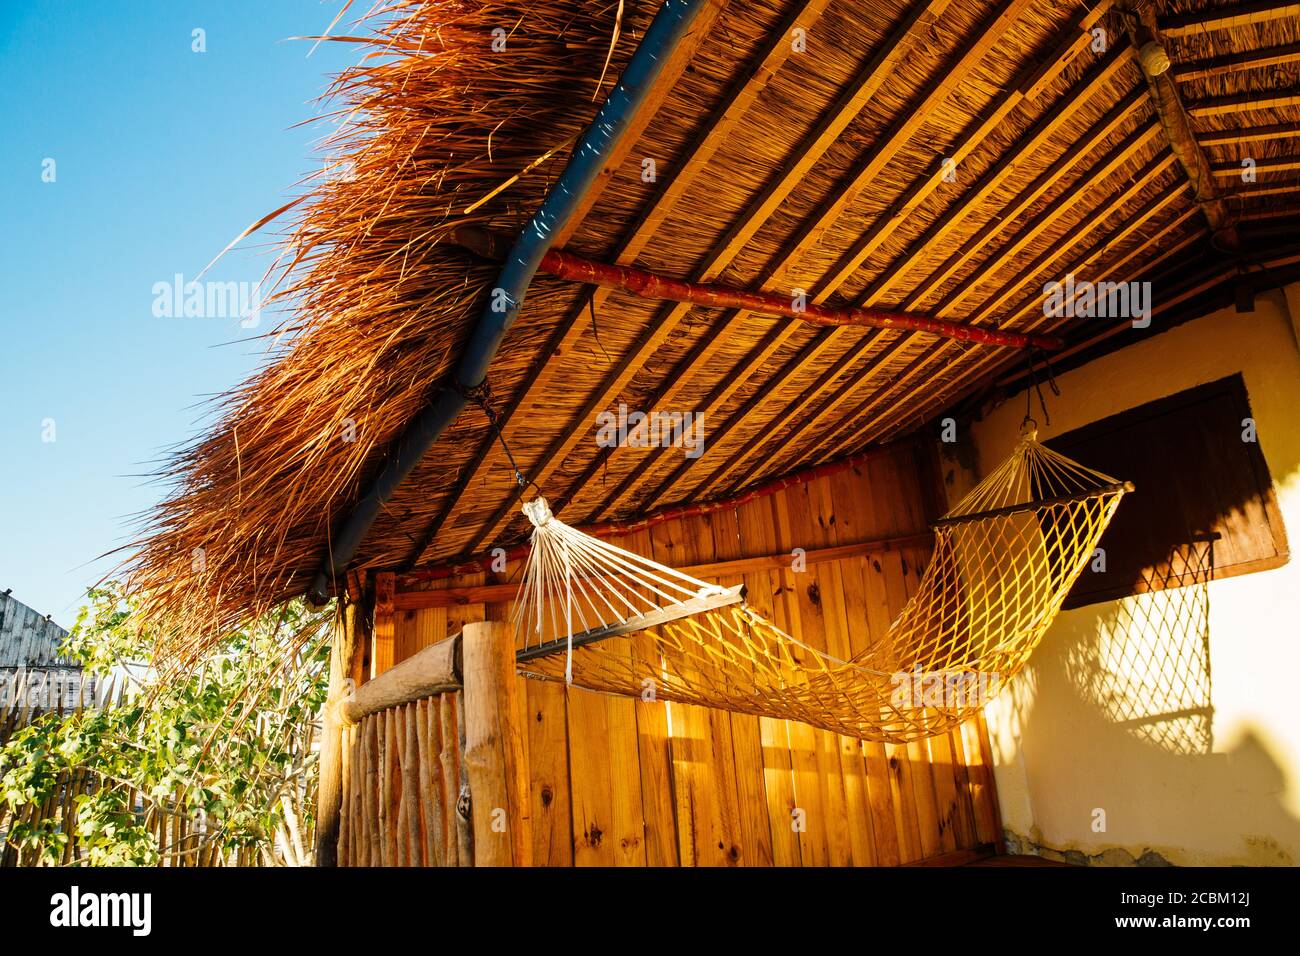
(617, 781)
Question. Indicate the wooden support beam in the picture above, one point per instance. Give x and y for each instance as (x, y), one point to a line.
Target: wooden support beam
(832, 124)
(686, 370)
(868, 349)
(1229, 17)
(918, 18)
(717, 437)
(652, 285)
(1144, 35)
(494, 747)
(1116, 160)
(970, 382)
(1074, 40)
(801, 423)
(853, 431)
(434, 670)
(329, 793)
(502, 593)
(1275, 165)
(1140, 179)
(383, 630)
(915, 116)
(1039, 135)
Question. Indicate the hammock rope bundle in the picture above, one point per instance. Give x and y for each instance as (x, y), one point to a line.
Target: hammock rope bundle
(606, 619)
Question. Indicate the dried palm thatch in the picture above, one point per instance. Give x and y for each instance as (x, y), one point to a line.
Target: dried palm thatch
(432, 121)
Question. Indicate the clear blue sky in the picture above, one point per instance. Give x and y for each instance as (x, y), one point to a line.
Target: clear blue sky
(162, 155)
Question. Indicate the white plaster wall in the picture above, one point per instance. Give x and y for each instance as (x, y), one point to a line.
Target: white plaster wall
(1060, 752)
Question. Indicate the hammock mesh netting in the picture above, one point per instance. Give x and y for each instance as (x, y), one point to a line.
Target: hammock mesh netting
(1004, 558)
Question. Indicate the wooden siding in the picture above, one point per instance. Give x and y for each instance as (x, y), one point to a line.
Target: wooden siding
(26, 638)
(618, 781)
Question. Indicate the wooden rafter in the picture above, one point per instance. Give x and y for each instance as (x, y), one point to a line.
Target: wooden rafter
(1227, 18)
(1237, 62)
(1277, 164)
(1143, 177)
(1242, 103)
(797, 446)
(1036, 79)
(1029, 310)
(1120, 155)
(893, 140)
(771, 391)
(1224, 137)
(1117, 159)
(970, 381)
(1140, 21)
(1074, 40)
(996, 177)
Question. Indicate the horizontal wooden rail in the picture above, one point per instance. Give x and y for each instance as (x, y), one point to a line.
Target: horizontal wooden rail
(434, 670)
(501, 593)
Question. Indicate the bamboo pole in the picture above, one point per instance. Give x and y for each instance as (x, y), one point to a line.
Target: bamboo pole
(411, 802)
(464, 828)
(494, 754)
(650, 285)
(345, 802)
(370, 811)
(329, 796)
(449, 777)
(401, 812)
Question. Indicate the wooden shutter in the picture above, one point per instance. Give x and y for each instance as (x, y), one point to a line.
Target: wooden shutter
(1204, 507)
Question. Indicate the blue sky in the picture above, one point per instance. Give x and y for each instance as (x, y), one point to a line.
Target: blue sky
(161, 156)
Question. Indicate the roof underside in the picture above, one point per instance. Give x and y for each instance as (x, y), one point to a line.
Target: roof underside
(942, 158)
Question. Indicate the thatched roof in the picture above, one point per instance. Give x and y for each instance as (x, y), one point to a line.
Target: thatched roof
(775, 168)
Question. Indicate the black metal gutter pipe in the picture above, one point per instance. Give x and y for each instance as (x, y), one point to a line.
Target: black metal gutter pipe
(667, 29)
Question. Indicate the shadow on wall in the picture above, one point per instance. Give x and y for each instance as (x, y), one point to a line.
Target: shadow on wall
(1129, 683)
(1121, 709)
(1146, 661)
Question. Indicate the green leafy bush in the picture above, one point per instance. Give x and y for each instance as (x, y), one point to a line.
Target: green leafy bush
(190, 768)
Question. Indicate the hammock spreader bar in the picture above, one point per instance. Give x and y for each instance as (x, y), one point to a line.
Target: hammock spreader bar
(1115, 488)
(640, 622)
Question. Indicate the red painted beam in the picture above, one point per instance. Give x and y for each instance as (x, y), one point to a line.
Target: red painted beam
(566, 265)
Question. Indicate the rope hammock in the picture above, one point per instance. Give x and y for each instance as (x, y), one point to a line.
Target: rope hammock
(606, 619)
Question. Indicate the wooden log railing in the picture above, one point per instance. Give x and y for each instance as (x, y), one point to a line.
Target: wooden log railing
(432, 768)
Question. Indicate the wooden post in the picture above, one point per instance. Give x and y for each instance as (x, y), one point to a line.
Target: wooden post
(329, 794)
(494, 747)
(385, 643)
